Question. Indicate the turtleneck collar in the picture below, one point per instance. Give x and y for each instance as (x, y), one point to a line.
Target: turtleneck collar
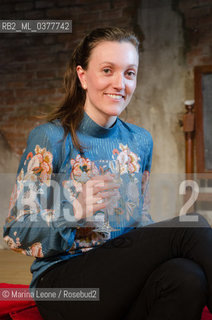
(91, 128)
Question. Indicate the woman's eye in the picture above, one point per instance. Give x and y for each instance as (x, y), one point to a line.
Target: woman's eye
(131, 73)
(106, 70)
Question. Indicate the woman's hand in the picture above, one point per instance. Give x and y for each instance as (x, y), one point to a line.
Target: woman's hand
(95, 195)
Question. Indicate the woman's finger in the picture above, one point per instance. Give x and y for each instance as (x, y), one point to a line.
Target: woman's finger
(105, 187)
(103, 177)
(110, 194)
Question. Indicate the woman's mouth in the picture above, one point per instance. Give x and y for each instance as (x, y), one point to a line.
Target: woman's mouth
(115, 96)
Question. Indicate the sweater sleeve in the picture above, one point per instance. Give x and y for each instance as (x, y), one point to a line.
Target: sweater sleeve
(35, 225)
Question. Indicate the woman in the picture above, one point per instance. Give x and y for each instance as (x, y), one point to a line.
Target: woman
(160, 271)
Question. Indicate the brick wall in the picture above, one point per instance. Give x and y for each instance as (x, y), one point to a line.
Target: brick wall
(32, 65)
(197, 16)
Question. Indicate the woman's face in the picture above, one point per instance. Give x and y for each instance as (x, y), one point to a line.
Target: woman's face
(109, 80)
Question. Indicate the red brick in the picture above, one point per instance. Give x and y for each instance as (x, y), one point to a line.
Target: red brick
(33, 84)
(63, 37)
(16, 67)
(3, 43)
(89, 17)
(11, 136)
(42, 55)
(22, 111)
(23, 6)
(10, 16)
(9, 101)
(185, 5)
(198, 12)
(46, 74)
(24, 57)
(88, 2)
(72, 11)
(66, 3)
(16, 84)
(61, 91)
(206, 20)
(49, 39)
(59, 13)
(97, 6)
(19, 41)
(205, 35)
(55, 83)
(111, 14)
(39, 14)
(204, 2)
(193, 61)
(44, 4)
(9, 126)
(78, 29)
(129, 12)
(4, 1)
(90, 7)
(7, 109)
(57, 100)
(55, 49)
(6, 94)
(24, 93)
(28, 125)
(191, 22)
(31, 66)
(122, 3)
(46, 91)
(206, 60)
(6, 8)
(26, 76)
(18, 149)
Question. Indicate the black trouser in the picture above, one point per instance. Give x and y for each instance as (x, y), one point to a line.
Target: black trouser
(162, 271)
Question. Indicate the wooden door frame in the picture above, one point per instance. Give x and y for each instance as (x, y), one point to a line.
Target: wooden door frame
(199, 71)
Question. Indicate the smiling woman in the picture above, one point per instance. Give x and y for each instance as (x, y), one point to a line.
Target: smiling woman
(86, 168)
(110, 80)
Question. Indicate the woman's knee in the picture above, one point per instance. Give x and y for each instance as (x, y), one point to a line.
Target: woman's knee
(177, 289)
(202, 221)
(188, 278)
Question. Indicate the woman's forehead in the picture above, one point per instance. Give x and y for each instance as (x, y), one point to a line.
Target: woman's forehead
(114, 52)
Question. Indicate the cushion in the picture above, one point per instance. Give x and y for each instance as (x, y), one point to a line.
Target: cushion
(17, 310)
(206, 315)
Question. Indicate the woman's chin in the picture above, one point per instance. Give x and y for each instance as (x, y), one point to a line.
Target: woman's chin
(115, 112)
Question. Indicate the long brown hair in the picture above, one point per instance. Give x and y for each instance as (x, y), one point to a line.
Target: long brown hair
(71, 110)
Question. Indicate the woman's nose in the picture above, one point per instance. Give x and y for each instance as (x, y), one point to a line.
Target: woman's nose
(118, 81)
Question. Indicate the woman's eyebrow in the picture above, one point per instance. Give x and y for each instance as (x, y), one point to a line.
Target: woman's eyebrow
(108, 62)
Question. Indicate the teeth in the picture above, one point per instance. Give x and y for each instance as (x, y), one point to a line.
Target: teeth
(115, 96)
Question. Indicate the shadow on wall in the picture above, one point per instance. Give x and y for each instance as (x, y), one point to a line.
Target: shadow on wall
(8, 167)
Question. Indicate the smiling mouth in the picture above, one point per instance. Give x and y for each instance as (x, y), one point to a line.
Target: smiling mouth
(114, 96)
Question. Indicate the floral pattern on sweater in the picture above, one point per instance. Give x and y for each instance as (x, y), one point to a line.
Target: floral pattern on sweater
(51, 233)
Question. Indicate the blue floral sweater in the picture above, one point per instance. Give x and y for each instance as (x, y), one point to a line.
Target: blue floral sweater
(41, 222)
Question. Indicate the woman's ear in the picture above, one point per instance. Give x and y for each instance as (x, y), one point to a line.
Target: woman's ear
(82, 76)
